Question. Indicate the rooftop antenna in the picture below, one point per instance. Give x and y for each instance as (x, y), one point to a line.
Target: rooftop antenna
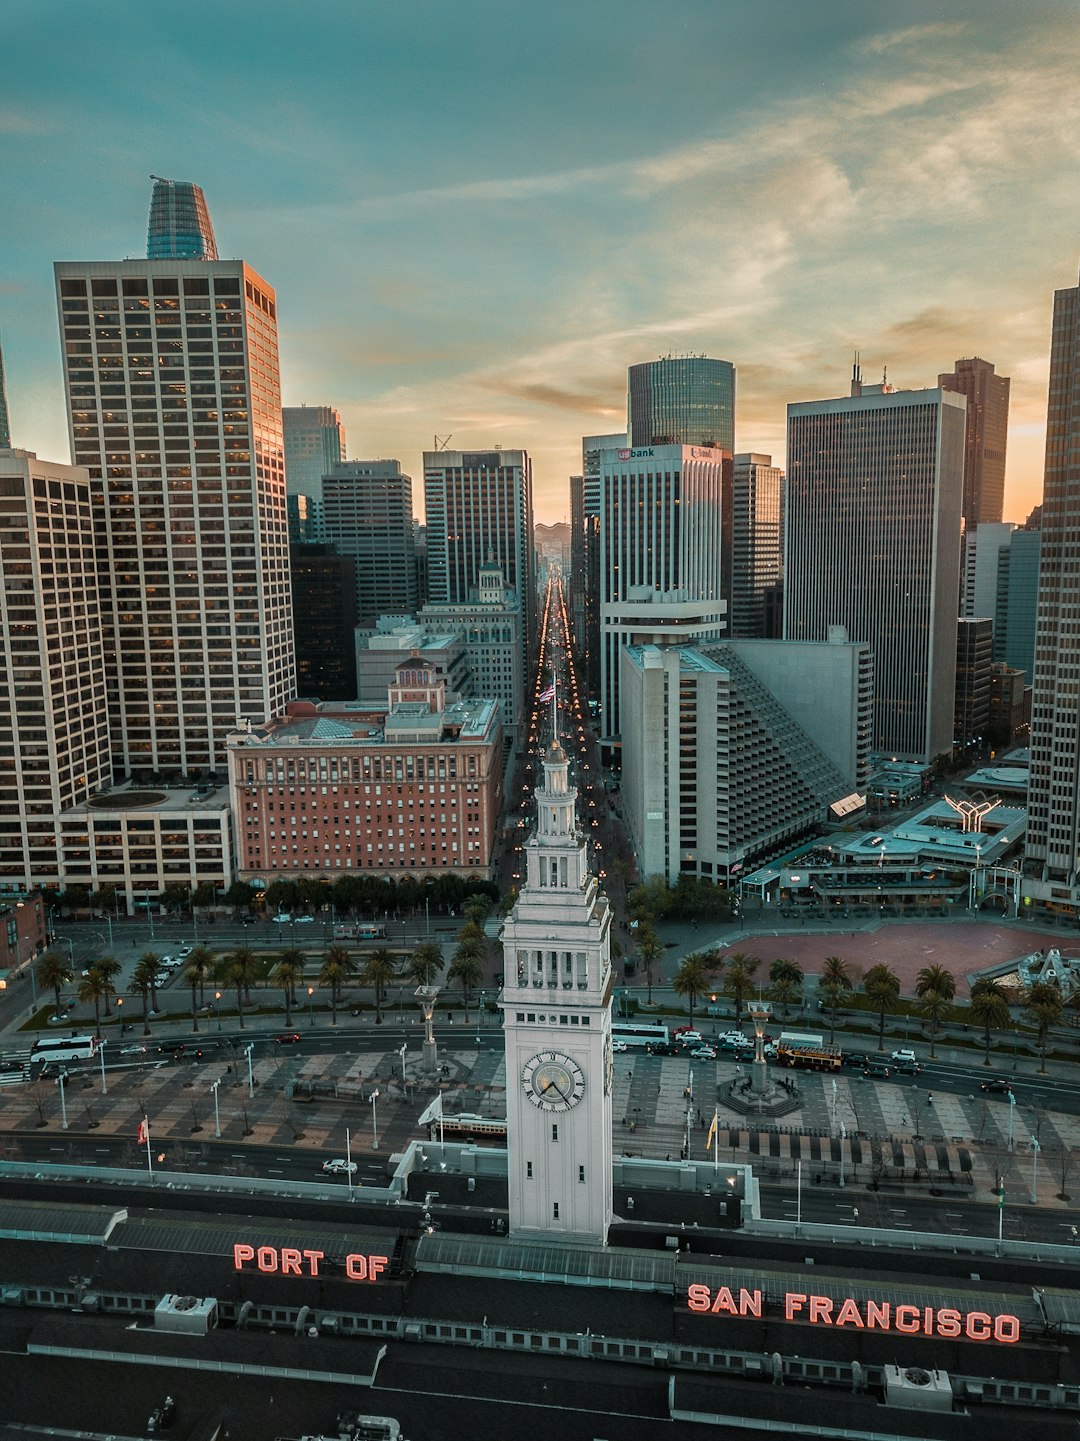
(442, 441)
(856, 376)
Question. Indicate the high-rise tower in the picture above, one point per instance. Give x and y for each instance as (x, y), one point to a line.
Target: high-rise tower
(682, 400)
(180, 227)
(314, 444)
(556, 1004)
(5, 421)
(987, 397)
(367, 513)
(872, 521)
(171, 374)
(1053, 836)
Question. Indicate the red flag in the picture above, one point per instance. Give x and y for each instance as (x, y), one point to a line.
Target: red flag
(143, 1136)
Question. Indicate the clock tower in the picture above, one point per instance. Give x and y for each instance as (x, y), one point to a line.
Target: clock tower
(556, 1003)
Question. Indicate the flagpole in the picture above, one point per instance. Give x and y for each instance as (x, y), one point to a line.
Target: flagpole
(555, 707)
(149, 1157)
(715, 1142)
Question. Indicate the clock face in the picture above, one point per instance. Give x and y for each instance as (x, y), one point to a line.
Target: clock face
(552, 1081)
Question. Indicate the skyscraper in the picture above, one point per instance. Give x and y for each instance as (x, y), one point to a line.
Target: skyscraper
(314, 444)
(479, 508)
(874, 488)
(324, 621)
(1017, 601)
(682, 400)
(1053, 838)
(752, 543)
(585, 563)
(5, 422)
(180, 227)
(171, 374)
(367, 513)
(987, 432)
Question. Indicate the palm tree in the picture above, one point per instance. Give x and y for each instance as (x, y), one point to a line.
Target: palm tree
(334, 973)
(691, 979)
(837, 980)
(740, 979)
(424, 964)
(110, 968)
(379, 970)
(287, 975)
(151, 963)
(53, 970)
(935, 988)
(785, 983)
(467, 969)
(142, 982)
(237, 970)
(882, 987)
(94, 988)
(1044, 1003)
(246, 956)
(650, 950)
(989, 1009)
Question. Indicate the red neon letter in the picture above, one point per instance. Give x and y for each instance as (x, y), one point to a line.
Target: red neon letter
(375, 1265)
(821, 1310)
(290, 1261)
(849, 1314)
(356, 1268)
(268, 1258)
(314, 1257)
(928, 1321)
(793, 1302)
(725, 1302)
(1006, 1328)
(240, 1254)
(750, 1303)
(948, 1323)
(908, 1319)
(697, 1298)
(977, 1326)
(879, 1314)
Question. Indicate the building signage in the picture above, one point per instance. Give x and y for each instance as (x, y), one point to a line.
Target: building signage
(289, 1261)
(643, 454)
(910, 1320)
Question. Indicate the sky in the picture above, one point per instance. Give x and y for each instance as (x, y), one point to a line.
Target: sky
(477, 213)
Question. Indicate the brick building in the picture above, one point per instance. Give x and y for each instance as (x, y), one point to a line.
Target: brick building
(331, 787)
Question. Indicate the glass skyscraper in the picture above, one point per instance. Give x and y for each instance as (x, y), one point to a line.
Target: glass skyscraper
(180, 227)
(682, 400)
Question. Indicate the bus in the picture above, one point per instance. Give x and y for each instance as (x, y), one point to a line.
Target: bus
(469, 1125)
(813, 1052)
(365, 931)
(64, 1048)
(644, 1034)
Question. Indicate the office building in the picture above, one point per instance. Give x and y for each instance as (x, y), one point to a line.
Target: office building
(5, 419)
(54, 727)
(179, 227)
(314, 443)
(380, 652)
(753, 546)
(585, 556)
(660, 555)
(174, 408)
(1017, 601)
(1010, 704)
(556, 1005)
(986, 435)
(681, 400)
(479, 509)
(732, 751)
(872, 542)
(324, 620)
(983, 547)
(416, 786)
(974, 658)
(1053, 840)
(367, 513)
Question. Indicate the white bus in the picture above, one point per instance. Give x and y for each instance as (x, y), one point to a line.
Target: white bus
(639, 1035)
(64, 1048)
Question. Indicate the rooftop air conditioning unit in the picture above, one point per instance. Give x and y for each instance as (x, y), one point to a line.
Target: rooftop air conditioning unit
(917, 1389)
(187, 1314)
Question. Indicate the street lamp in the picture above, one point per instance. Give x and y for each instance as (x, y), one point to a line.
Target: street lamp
(311, 1006)
(374, 1122)
(217, 1113)
(251, 1079)
(1035, 1148)
(217, 1008)
(119, 1004)
(1012, 1103)
(101, 1053)
(63, 1104)
(401, 1053)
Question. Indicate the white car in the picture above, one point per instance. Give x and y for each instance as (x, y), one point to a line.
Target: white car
(619, 1046)
(133, 1050)
(703, 1053)
(282, 918)
(304, 921)
(690, 1038)
(183, 953)
(905, 1054)
(339, 1167)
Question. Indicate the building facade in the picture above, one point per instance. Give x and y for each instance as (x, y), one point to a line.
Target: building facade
(1053, 838)
(753, 544)
(314, 443)
(324, 621)
(681, 400)
(380, 652)
(872, 542)
(1017, 601)
(986, 437)
(974, 658)
(367, 513)
(327, 789)
(983, 547)
(586, 563)
(179, 227)
(174, 408)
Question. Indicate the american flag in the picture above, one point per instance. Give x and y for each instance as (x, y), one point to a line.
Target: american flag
(143, 1137)
(548, 694)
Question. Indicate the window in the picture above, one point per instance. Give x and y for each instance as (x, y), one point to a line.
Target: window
(554, 1133)
(581, 1174)
(555, 1211)
(528, 1171)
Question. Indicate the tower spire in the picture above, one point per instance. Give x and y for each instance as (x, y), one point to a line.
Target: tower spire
(5, 425)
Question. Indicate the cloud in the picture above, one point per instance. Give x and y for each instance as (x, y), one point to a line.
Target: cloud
(911, 36)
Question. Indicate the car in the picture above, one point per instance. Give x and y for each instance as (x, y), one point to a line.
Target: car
(877, 1071)
(282, 917)
(11, 1067)
(619, 1046)
(58, 1019)
(733, 1037)
(904, 1054)
(703, 1053)
(288, 1038)
(304, 921)
(339, 1167)
(998, 1085)
(690, 1038)
(184, 952)
(133, 1050)
(855, 1059)
(681, 1030)
(907, 1068)
(735, 1043)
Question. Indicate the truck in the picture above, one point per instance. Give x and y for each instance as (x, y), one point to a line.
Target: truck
(811, 1052)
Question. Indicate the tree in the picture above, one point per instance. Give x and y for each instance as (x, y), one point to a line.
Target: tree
(93, 989)
(198, 969)
(1044, 1004)
(287, 975)
(176, 897)
(53, 970)
(882, 987)
(740, 979)
(989, 1009)
(935, 988)
(691, 979)
(379, 970)
(836, 984)
(240, 896)
(467, 969)
(650, 951)
(424, 964)
(109, 968)
(237, 970)
(143, 979)
(785, 984)
(333, 973)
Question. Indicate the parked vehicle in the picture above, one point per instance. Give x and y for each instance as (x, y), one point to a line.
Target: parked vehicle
(904, 1054)
(339, 1167)
(876, 1071)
